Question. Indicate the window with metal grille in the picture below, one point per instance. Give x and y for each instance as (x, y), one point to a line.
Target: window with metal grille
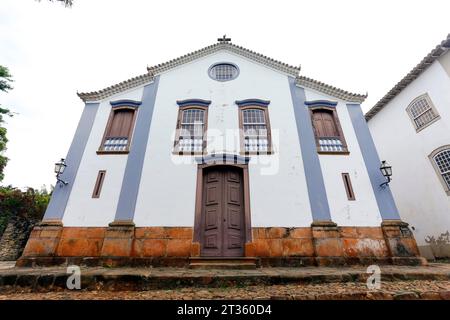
(118, 131)
(254, 125)
(422, 112)
(442, 161)
(223, 72)
(191, 129)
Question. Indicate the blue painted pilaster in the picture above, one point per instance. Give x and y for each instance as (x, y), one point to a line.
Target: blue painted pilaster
(60, 196)
(383, 195)
(313, 172)
(135, 162)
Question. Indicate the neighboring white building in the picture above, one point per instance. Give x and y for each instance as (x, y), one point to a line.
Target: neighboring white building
(411, 129)
(223, 152)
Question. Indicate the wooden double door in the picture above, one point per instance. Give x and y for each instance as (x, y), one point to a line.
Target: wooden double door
(223, 219)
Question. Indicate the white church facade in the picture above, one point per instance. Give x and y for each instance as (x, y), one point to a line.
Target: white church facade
(222, 153)
(411, 129)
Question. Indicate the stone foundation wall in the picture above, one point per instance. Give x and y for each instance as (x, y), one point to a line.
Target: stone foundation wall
(322, 244)
(14, 238)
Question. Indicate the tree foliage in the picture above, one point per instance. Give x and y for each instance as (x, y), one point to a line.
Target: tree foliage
(29, 204)
(5, 79)
(66, 3)
(5, 85)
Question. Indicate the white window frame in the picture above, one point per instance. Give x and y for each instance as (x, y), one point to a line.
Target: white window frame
(180, 123)
(437, 169)
(427, 98)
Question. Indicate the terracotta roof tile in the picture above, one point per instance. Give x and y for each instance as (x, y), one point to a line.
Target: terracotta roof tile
(438, 51)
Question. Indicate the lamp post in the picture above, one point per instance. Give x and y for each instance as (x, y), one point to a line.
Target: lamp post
(59, 169)
(386, 171)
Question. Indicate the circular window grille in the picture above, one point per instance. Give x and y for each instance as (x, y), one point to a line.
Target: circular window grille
(223, 71)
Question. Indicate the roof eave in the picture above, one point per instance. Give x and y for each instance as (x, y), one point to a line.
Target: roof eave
(330, 90)
(117, 88)
(254, 56)
(429, 59)
(258, 58)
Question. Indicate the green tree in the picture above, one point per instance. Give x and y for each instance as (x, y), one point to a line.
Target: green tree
(67, 3)
(5, 85)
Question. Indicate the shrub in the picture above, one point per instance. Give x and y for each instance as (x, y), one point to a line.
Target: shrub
(29, 204)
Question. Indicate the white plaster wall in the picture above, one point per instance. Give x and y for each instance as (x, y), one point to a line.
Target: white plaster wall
(445, 62)
(364, 210)
(278, 193)
(82, 209)
(419, 194)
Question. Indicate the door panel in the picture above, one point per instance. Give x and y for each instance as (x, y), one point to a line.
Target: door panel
(212, 218)
(233, 194)
(223, 222)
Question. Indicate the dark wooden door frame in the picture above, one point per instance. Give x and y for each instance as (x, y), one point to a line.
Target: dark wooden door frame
(199, 198)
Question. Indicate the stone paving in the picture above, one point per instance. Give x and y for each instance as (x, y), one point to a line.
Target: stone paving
(397, 282)
(431, 271)
(401, 290)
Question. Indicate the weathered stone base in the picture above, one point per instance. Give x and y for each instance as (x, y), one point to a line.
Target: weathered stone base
(177, 262)
(322, 244)
(435, 251)
(54, 279)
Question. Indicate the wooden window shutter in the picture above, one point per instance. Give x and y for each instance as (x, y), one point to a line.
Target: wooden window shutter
(327, 131)
(121, 123)
(118, 131)
(324, 123)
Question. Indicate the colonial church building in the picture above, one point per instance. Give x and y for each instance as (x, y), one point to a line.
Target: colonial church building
(411, 128)
(222, 154)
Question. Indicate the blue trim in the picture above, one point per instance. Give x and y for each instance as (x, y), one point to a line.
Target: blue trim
(383, 195)
(61, 193)
(222, 158)
(120, 103)
(219, 63)
(133, 170)
(252, 102)
(193, 102)
(321, 103)
(314, 179)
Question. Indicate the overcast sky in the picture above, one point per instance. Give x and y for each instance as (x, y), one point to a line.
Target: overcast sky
(53, 52)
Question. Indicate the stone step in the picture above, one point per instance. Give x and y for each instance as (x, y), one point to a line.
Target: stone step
(46, 279)
(223, 263)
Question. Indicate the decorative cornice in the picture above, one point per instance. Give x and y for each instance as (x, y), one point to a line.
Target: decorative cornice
(438, 51)
(252, 102)
(125, 102)
(257, 57)
(222, 158)
(330, 90)
(117, 88)
(193, 102)
(319, 103)
(246, 53)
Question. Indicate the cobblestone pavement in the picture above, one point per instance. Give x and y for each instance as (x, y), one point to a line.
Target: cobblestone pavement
(432, 269)
(398, 282)
(398, 290)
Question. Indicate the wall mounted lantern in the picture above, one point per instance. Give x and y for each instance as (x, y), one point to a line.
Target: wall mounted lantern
(59, 169)
(386, 171)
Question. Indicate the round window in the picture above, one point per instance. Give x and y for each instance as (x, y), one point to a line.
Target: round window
(223, 71)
